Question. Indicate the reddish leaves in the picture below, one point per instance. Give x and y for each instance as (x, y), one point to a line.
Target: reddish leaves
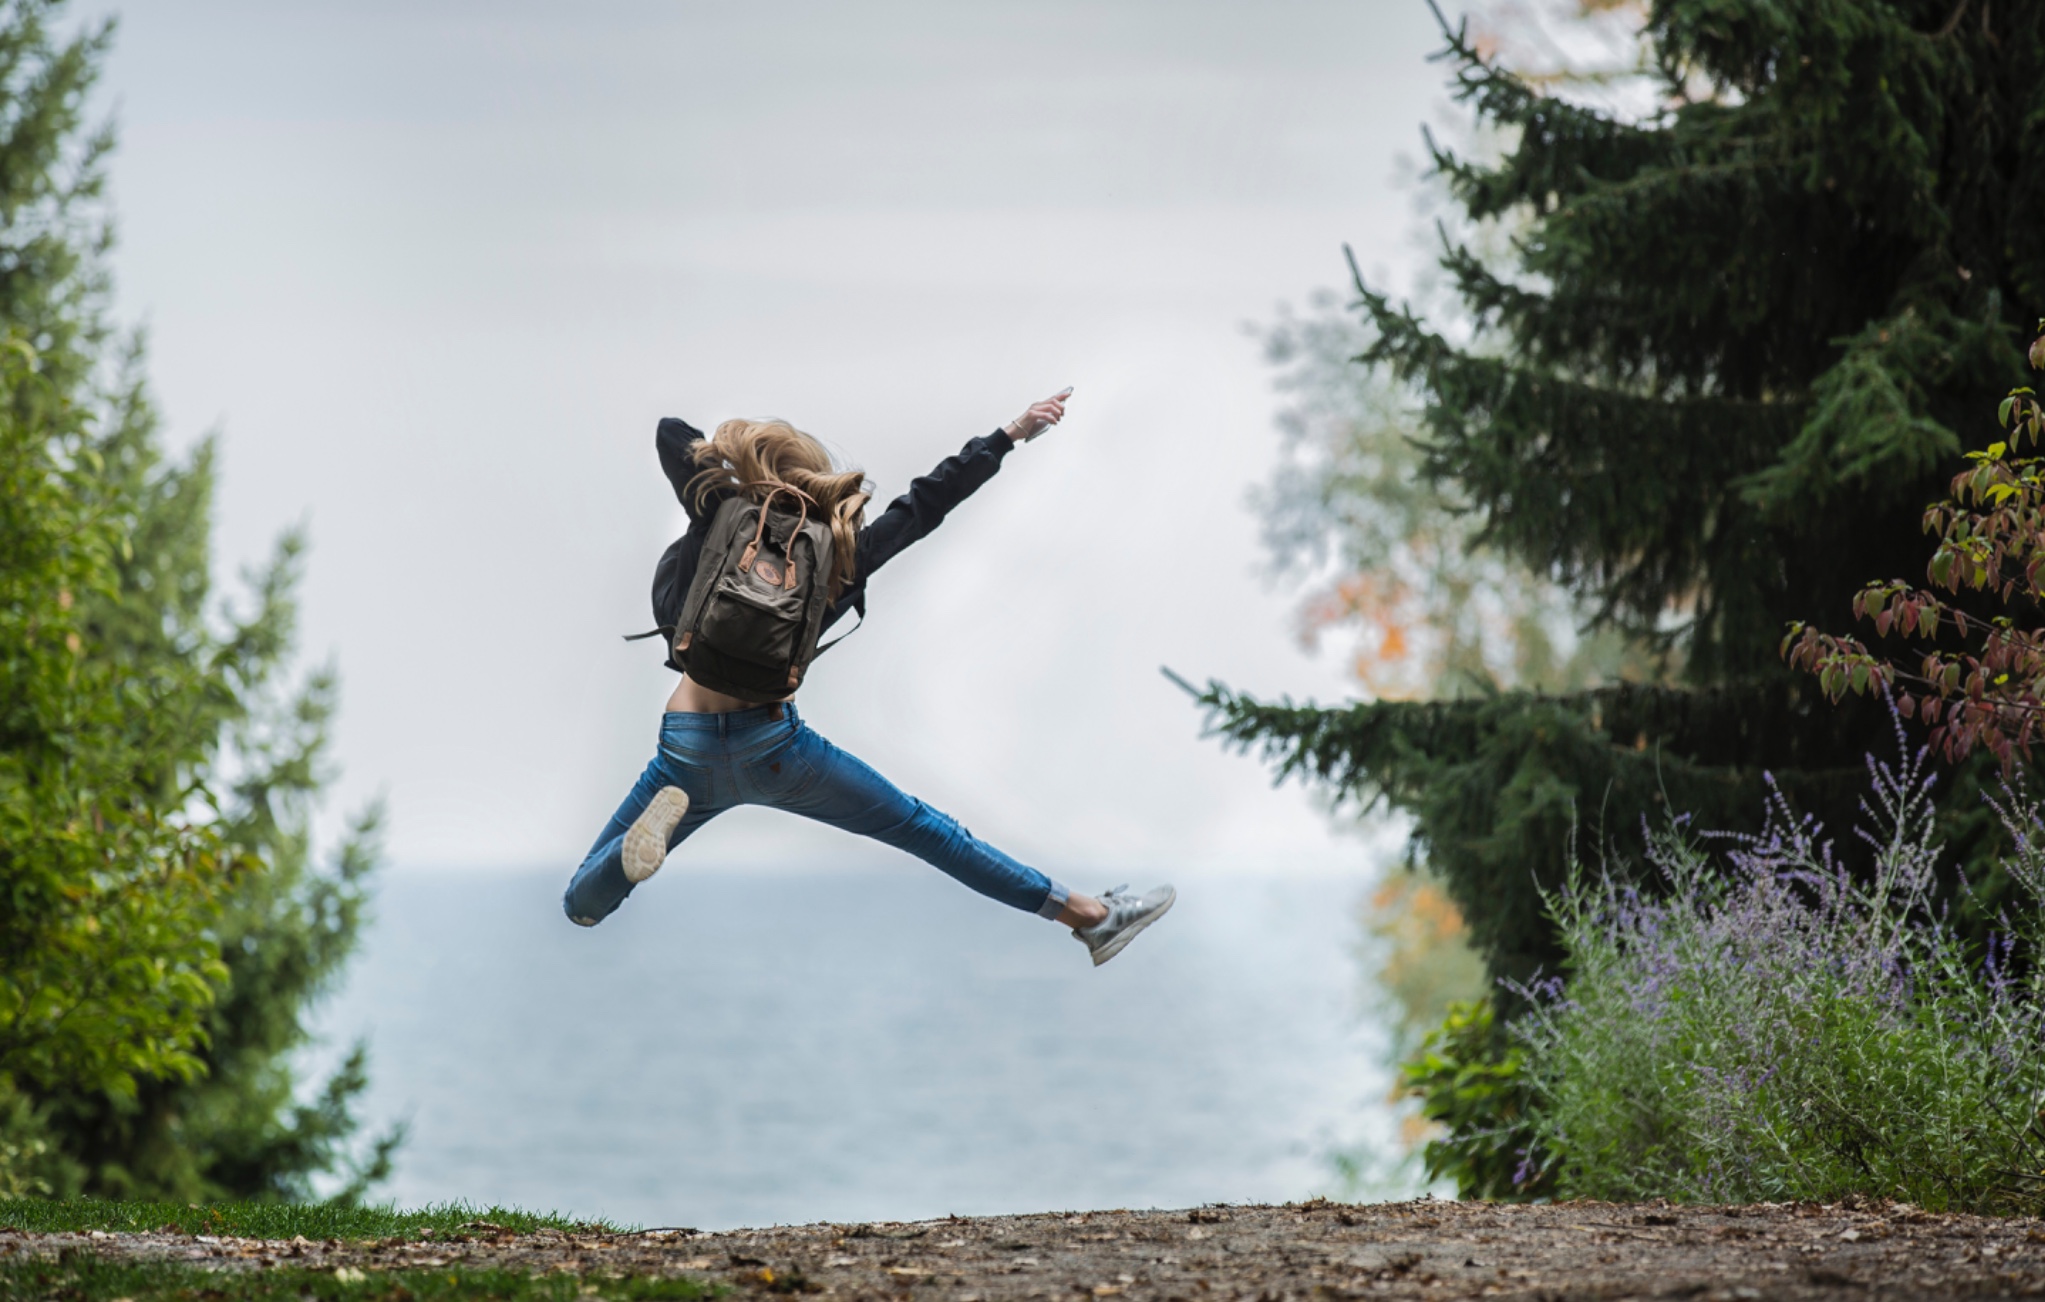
(1984, 685)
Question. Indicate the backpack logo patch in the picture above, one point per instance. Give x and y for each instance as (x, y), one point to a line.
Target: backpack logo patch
(768, 570)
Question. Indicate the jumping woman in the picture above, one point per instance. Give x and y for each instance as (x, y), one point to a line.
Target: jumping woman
(775, 554)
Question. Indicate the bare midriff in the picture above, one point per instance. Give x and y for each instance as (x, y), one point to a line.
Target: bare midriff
(691, 697)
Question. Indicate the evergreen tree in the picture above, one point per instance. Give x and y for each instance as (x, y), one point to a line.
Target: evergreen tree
(164, 931)
(1731, 359)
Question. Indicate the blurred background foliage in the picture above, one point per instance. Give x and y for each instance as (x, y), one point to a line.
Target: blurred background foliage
(166, 927)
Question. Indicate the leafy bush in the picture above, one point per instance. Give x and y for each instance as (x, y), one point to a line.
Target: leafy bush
(1472, 1080)
(1773, 1026)
(108, 955)
(1981, 679)
(164, 927)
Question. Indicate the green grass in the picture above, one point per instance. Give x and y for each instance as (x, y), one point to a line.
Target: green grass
(272, 1220)
(80, 1277)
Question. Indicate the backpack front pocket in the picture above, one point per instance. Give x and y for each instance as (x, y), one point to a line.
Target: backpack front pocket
(745, 622)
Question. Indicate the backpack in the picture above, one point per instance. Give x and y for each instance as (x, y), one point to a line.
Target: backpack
(749, 624)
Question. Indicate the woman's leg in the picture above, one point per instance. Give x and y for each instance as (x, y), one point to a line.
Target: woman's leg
(813, 778)
(601, 884)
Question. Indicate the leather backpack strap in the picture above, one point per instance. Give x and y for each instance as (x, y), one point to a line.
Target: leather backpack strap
(803, 502)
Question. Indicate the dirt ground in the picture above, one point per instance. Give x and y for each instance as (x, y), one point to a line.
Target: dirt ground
(1425, 1249)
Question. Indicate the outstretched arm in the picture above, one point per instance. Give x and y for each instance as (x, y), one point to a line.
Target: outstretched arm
(931, 497)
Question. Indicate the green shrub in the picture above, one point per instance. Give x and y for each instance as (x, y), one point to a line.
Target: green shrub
(164, 925)
(1775, 1027)
(1472, 1081)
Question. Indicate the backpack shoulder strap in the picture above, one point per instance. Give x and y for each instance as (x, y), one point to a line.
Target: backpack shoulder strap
(858, 608)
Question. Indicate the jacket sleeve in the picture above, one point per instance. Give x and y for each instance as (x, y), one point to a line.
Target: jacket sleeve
(915, 513)
(676, 441)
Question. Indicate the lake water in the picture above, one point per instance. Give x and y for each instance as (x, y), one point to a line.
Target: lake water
(756, 1047)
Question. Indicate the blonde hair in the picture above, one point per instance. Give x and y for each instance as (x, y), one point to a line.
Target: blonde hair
(755, 457)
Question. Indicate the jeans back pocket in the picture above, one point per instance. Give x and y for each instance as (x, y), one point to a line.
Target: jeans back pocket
(782, 772)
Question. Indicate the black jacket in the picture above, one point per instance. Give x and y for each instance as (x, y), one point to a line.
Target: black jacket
(909, 517)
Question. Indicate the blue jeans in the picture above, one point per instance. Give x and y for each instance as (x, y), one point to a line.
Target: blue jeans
(767, 756)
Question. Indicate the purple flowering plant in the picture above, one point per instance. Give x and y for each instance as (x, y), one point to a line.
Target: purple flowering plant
(1770, 1025)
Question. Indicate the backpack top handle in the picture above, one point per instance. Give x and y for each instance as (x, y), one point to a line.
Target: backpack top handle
(803, 502)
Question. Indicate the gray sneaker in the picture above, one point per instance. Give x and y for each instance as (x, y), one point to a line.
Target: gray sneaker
(1127, 915)
(646, 840)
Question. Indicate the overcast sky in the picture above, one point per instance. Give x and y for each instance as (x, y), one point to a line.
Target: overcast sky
(435, 270)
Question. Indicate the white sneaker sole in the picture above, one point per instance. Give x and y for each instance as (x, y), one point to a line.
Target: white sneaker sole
(646, 840)
(1121, 942)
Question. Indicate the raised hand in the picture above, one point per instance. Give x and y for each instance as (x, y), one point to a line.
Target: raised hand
(1040, 417)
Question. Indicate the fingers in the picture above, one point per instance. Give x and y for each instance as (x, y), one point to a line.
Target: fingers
(1041, 416)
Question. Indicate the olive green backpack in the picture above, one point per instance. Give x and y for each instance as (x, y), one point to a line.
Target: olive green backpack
(750, 623)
